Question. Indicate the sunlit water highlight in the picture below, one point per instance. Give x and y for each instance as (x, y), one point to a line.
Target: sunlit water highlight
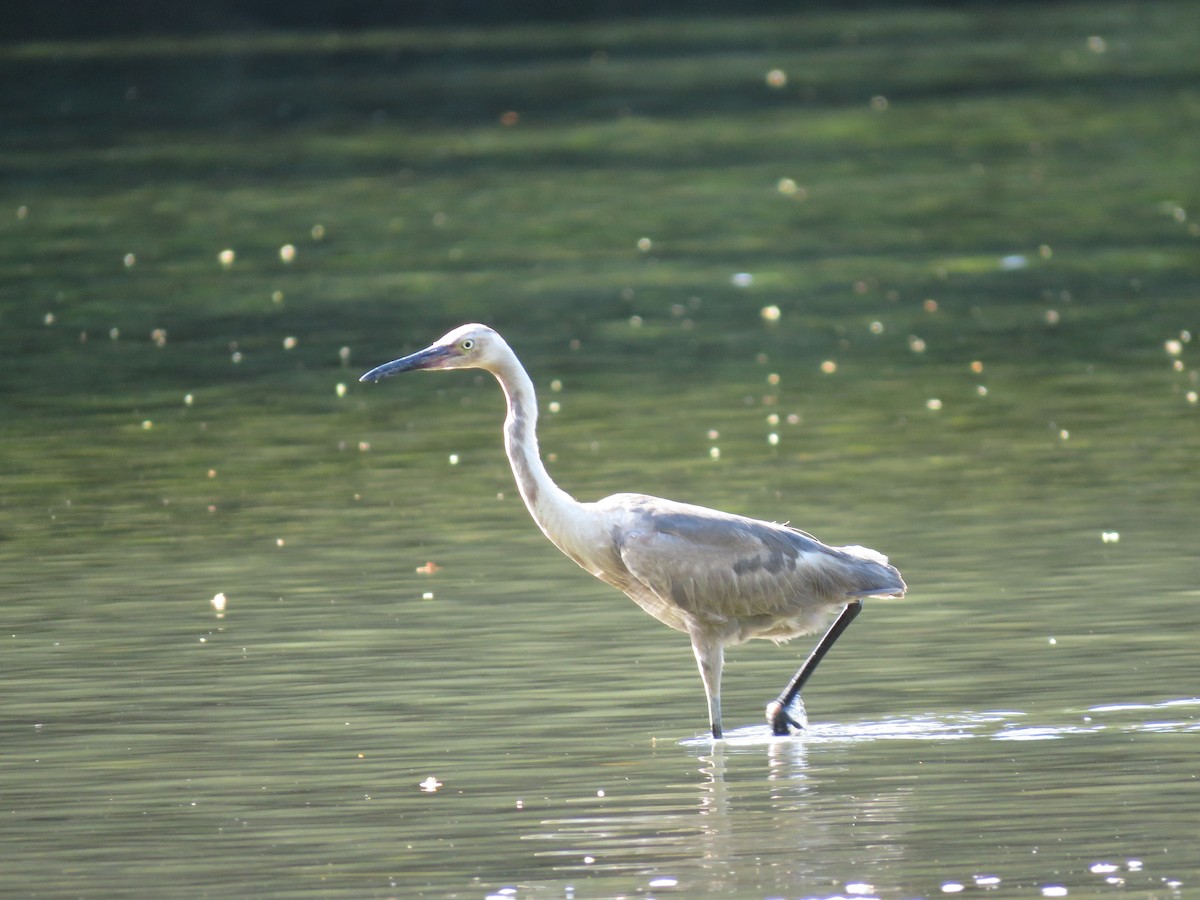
(994, 725)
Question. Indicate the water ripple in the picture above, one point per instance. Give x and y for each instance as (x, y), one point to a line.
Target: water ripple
(999, 725)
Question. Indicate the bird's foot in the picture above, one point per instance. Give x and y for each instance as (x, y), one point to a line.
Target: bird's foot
(780, 717)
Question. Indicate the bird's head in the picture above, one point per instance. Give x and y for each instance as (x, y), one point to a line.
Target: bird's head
(466, 347)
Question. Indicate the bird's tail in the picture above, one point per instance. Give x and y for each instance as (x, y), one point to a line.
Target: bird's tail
(877, 577)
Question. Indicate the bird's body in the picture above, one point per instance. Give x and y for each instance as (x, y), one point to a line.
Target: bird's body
(720, 578)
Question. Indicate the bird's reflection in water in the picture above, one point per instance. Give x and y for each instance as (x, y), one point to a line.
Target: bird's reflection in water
(767, 801)
(795, 813)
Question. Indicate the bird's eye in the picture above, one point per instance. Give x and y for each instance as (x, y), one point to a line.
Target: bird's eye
(467, 344)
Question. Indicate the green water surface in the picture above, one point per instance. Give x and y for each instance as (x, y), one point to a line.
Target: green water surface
(920, 278)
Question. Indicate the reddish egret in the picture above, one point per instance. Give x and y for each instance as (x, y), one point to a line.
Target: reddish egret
(720, 578)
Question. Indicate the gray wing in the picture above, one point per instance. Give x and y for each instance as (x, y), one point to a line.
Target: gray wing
(716, 566)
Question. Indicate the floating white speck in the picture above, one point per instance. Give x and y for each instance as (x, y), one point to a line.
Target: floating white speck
(916, 344)
(279, 542)
(289, 343)
(554, 406)
(1134, 865)
(776, 78)
(430, 784)
(341, 389)
(664, 882)
(1053, 642)
(287, 253)
(987, 881)
(773, 439)
(218, 602)
(114, 333)
(742, 279)
(188, 399)
(770, 313)
(1054, 890)
(1103, 868)
(829, 366)
(933, 404)
(226, 258)
(130, 260)
(1173, 347)
(454, 459)
(859, 888)
(645, 244)
(48, 319)
(1110, 537)
(1052, 317)
(952, 887)
(556, 385)
(789, 188)
(876, 327)
(1013, 262)
(147, 425)
(588, 860)
(318, 232)
(714, 453)
(428, 595)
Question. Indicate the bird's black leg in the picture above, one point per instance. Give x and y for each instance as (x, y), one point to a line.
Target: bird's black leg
(777, 709)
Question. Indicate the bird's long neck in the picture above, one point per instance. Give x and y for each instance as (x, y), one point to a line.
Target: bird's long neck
(552, 508)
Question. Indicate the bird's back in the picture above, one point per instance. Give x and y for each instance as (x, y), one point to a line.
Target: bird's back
(697, 568)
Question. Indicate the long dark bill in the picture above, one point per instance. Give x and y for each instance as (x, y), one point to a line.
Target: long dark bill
(429, 358)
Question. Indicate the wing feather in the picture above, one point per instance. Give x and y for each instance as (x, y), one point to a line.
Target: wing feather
(715, 567)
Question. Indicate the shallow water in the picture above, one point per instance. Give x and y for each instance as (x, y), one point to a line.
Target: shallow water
(982, 365)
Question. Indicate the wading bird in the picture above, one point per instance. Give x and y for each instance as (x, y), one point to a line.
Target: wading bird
(720, 578)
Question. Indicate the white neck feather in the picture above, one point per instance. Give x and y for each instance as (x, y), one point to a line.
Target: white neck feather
(552, 508)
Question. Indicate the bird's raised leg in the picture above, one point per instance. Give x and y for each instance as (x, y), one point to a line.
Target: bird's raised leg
(710, 657)
(777, 709)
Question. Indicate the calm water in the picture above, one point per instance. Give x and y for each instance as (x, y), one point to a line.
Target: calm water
(930, 288)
